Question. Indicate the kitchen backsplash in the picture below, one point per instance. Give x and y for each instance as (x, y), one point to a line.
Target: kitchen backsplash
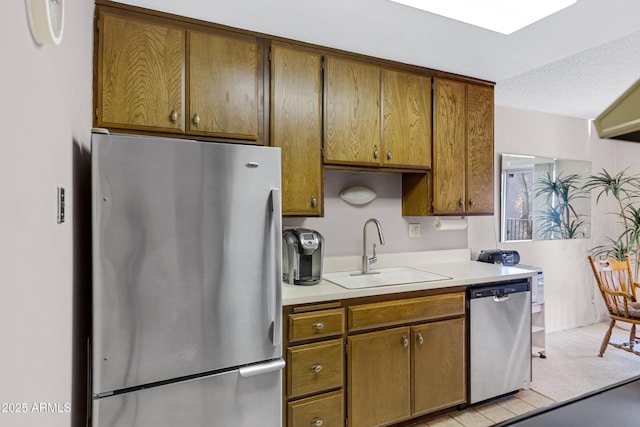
(343, 223)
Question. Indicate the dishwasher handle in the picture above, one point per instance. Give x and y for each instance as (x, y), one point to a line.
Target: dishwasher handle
(501, 298)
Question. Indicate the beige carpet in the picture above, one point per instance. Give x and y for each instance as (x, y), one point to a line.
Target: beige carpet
(572, 366)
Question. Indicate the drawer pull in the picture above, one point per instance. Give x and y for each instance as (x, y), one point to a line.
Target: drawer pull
(317, 422)
(316, 368)
(318, 326)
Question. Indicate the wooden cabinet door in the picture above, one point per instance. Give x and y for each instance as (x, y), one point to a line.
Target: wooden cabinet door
(449, 146)
(140, 77)
(223, 85)
(296, 127)
(407, 120)
(325, 410)
(353, 110)
(378, 383)
(438, 365)
(480, 156)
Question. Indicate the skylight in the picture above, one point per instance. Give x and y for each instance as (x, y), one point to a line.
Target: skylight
(502, 16)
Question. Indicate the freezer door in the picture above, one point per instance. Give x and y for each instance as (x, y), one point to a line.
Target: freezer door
(228, 399)
(186, 258)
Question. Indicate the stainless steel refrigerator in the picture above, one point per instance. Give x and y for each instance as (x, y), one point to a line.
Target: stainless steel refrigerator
(186, 283)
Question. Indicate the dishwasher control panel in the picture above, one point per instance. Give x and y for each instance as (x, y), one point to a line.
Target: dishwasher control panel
(499, 290)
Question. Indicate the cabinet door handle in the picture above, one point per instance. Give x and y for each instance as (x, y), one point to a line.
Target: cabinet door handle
(420, 339)
(314, 201)
(375, 152)
(471, 203)
(389, 155)
(318, 326)
(405, 342)
(317, 422)
(196, 119)
(461, 203)
(316, 368)
(173, 116)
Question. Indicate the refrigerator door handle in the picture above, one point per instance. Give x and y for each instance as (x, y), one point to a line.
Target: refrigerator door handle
(262, 368)
(276, 208)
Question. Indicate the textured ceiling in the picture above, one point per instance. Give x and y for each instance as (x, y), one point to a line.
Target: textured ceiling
(573, 63)
(582, 85)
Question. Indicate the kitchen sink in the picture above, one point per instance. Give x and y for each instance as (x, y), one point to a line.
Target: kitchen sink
(383, 277)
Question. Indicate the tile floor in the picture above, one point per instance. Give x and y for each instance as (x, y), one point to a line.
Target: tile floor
(488, 414)
(568, 352)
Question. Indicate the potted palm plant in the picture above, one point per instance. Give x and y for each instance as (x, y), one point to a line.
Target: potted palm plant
(558, 219)
(624, 188)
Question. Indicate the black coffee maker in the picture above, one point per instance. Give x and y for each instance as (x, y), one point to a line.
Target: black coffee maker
(302, 256)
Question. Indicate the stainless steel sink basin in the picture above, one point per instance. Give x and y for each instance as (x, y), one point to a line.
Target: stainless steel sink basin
(383, 277)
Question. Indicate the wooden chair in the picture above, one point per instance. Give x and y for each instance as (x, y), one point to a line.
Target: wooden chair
(615, 281)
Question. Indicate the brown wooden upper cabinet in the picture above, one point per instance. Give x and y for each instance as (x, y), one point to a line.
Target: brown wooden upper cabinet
(140, 74)
(352, 116)
(223, 85)
(480, 156)
(462, 174)
(376, 116)
(407, 119)
(147, 68)
(296, 127)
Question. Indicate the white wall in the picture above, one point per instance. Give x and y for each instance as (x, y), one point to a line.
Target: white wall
(342, 224)
(569, 285)
(46, 122)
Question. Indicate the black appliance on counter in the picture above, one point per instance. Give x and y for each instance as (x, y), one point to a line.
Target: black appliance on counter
(302, 256)
(499, 256)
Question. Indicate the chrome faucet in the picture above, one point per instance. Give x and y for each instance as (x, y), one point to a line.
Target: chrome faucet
(365, 259)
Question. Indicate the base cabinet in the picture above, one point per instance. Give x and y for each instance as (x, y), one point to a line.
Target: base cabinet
(438, 365)
(375, 361)
(314, 376)
(400, 373)
(379, 382)
(326, 410)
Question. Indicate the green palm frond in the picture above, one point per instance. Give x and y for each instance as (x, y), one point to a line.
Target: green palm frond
(559, 219)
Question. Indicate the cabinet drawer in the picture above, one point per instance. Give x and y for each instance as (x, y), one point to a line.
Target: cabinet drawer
(409, 310)
(316, 324)
(326, 410)
(312, 368)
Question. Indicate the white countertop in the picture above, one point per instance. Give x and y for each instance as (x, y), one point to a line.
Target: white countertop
(456, 264)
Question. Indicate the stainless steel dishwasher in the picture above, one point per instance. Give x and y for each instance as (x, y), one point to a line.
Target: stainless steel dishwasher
(499, 338)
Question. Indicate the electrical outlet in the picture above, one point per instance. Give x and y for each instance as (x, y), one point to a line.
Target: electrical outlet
(414, 230)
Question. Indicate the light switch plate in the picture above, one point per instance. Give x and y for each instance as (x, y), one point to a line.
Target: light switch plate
(414, 230)
(61, 204)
